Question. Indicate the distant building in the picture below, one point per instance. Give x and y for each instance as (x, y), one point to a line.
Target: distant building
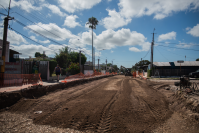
(11, 55)
(174, 68)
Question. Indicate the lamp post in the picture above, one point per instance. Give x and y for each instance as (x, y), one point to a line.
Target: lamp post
(112, 63)
(99, 59)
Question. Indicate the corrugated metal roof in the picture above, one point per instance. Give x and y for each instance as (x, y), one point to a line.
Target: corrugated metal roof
(185, 63)
(161, 64)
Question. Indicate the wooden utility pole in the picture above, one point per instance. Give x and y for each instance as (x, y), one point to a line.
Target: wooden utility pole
(98, 65)
(80, 61)
(6, 19)
(152, 45)
(106, 65)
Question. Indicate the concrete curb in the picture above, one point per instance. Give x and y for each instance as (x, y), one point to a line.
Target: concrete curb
(9, 98)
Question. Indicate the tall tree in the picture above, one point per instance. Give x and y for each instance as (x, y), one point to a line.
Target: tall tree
(63, 57)
(37, 54)
(92, 24)
(74, 57)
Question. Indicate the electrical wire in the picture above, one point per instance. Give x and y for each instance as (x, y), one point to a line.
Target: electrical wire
(147, 53)
(162, 55)
(29, 38)
(181, 55)
(37, 24)
(178, 48)
(3, 7)
(174, 43)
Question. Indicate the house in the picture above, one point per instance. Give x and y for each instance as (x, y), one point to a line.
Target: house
(174, 68)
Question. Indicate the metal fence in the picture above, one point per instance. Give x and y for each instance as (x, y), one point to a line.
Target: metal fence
(172, 72)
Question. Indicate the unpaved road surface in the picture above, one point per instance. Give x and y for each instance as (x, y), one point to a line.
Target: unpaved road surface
(116, 104)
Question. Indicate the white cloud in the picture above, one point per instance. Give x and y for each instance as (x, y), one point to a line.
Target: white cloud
(77, 5)
(167, 36)
(27, 5)
(134, 49)
(111, 51)
(184, 45)
(29, 50)
(55, 10)
(13, 37)
(193, 31)
(159, 8)
(47, 41)
(33, 38)
(114, 20)
(110, 39)
(70, 21)
(54, 31)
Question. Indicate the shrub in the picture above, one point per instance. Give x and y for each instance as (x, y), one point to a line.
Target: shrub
(74, 68)
(149, 72)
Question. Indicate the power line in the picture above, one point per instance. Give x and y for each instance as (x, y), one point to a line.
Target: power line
(181, 55)
(36, 31)
(176, 43)
(29, 38)
(146, 54)
(178, 48)
(162, 55)
(37, 24)
(3, 7)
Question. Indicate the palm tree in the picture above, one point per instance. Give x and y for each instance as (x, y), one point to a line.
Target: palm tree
(92, 24)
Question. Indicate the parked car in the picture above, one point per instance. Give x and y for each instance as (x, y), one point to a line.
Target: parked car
(194, 74)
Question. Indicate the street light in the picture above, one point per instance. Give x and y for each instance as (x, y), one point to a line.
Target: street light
(99, 59)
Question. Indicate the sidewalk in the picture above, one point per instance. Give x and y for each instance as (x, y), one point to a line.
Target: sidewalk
(45, 83)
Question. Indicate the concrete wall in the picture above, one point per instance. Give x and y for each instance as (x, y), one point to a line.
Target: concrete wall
(103, 71)
(86, 71)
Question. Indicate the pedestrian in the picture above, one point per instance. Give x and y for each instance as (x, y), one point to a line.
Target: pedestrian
(58, 71)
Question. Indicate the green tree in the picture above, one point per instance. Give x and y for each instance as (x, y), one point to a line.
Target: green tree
(74, 57)
(63, 57)
(92, 24)
(143, 62)
(115, 68)
(109, 64)
(37, 54)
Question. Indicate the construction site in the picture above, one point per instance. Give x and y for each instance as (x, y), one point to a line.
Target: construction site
(108, 103)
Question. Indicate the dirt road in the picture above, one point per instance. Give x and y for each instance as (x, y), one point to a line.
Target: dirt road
(116, 104)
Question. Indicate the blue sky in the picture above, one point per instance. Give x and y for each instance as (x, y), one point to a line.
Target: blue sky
(124, 28)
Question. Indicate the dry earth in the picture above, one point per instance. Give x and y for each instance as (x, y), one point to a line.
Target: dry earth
(116, 104)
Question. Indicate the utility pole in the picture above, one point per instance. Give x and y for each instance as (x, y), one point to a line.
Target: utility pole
(80, 61)
(6, 19)
(152, 44)
(98, 65)
(106, 65)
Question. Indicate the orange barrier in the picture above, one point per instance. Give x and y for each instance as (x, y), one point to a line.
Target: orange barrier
(87, 75)
(134, 74)
(141, 74)
(9, 80)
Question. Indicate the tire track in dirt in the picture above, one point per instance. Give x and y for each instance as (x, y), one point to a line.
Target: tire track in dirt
(104, 118)
(106, 114)
(73, 97)
(157, 107)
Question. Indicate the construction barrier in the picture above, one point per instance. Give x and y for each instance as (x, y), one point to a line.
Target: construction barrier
(134, 74)
(87, 75)
(141, 75)
(9, 80)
